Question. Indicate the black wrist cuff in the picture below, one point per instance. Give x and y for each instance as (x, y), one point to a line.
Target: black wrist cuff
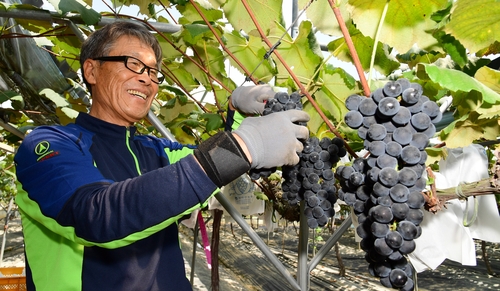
(222, 158)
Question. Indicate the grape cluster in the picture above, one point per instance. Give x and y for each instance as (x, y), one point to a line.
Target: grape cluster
(384, 189)
(312, 179)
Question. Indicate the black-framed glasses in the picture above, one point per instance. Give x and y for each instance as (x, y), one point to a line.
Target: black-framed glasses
(136, 66)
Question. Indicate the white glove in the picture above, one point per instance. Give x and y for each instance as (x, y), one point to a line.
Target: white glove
(250, 99)
(273, 140)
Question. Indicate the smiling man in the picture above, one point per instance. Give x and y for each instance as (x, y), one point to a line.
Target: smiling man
(102, 202)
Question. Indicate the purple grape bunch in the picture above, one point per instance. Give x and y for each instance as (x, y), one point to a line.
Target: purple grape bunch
(312, 180)
(384, 190)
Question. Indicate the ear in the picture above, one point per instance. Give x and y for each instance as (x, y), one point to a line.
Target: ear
(90, 71)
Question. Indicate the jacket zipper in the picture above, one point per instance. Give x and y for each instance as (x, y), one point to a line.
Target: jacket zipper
(137, 167)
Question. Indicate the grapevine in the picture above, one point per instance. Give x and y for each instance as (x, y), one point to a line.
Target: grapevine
(384, 190)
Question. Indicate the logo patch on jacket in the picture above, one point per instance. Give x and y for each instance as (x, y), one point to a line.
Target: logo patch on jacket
(43, 151)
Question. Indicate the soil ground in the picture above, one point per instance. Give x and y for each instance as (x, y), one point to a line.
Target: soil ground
(243, 267)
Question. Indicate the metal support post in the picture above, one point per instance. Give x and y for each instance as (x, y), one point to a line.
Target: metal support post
(256, 239)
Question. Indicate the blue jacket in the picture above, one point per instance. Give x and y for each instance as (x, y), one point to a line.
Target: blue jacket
(101, 207)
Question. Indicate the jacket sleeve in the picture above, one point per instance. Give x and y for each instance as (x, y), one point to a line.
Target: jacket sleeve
(67, 194)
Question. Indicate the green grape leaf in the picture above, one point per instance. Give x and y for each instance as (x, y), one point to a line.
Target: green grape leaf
(435, 154)
(406, 23)
(88, 15)
(250, 54)
(475, 23)
(461, 133)
(453, 47)
(489, 77)
(190, 14)
(457, 81)
(266, 13)
(364, 48)
(303, 54)
(214, 121)
(321, 14)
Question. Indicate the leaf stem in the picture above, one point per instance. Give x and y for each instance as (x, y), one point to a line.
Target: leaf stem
(375, 41)
(350, 45)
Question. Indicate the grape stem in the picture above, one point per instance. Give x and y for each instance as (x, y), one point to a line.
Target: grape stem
(435, 199)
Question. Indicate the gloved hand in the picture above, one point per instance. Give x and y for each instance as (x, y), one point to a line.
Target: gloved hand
(273, 140)
(250, 99)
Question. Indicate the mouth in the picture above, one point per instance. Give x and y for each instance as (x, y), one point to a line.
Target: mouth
(138, 94)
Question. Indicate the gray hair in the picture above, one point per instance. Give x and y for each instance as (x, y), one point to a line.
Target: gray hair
(101, 41)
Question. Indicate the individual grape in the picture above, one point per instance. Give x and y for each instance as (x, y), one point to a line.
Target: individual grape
(380, 190)
(409, 286)
(398, 278)
(381, 247)
(346, 172)
(438, 118)
(282, 97)
(388, 177)
(317, 211)
(399, 193)
(377, 95)
(402, 117)
(376, 148)
(295, 97)
(362, 131)
(367, 107)
(356, 179)
(390, 127)
(420, 121)
(358, 206)
(386, 161)
(308, 212)
(407, 229)
(411, 96)
(407, 247)
(369, 120)
(352, 102)
(313, 201)
(402, 135)
(312, 223)
(382, 214)
(400, 210)
(392, 89)
(363, 193)
(372, 174)
(359, 165)
(404, 83)
(385, 201)
(393, 149)
(376, 132)
(430, 108)
(353, 119)
(415, 216)
(419, 140)
(410, 155)
(430, 131)
(415, 200)
(363, 230)
(407, 177)
(349, 198)
(394, 239)
(379, 229)
(396, 255)
(322, 221)
(386, 282)
(381, 269)
(388, 106)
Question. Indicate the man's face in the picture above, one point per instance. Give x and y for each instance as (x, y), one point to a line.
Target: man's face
(119, 95)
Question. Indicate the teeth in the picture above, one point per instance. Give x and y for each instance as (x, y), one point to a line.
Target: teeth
(138, 94)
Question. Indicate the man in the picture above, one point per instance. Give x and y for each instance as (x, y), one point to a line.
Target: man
(101, 205)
